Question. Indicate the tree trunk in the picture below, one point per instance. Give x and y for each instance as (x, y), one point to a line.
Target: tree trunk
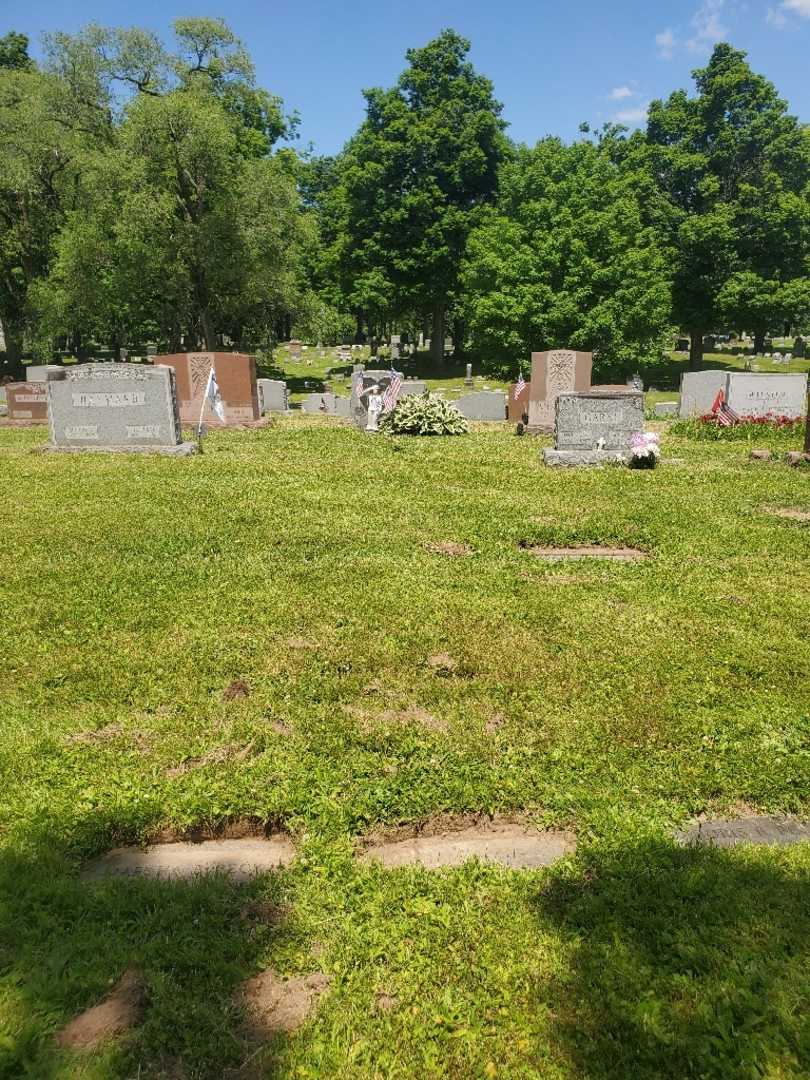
(759, 342)
(437, 335)
(209, 333)
(14, 344)
(696, 349)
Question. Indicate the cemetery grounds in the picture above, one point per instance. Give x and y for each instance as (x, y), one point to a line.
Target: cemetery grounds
(406, 659)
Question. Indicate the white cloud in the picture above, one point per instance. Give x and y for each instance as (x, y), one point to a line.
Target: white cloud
(666, 43)
(619, 93)
(800, 7)
(708, 27)
(775, 17)
(632, 117)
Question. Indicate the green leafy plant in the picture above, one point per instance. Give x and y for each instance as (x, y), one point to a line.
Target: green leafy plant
(421, 414)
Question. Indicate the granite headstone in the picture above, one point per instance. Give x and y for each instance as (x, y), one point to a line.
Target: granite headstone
(555, 372)
(593, 427)
(27, 402)
(273, 396)
(236, 378)
(760, 394)
(483, 405)
(699, 390)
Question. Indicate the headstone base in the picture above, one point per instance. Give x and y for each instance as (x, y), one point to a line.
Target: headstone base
(185, 449)
(574, 458)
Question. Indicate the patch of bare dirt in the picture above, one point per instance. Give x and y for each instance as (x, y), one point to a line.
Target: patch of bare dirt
(120, 1011)
(448, 547)
(414, 714)
(594, 551)
(442, 663)
(228, 829)
(280, 728)
(220, 755)
(142, 740)
(384, 1002)
(494, 723)
(450, 840)
(275, 1004)
(791, 513)
(236, 690)
(264, 913)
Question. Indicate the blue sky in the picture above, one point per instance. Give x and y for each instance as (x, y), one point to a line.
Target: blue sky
(553, 63)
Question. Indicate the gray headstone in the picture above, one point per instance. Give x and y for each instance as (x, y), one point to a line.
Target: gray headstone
(666, 408)
(756, 395)
(412, 386)
(113, 405)
(484, 405)
(595, 426)
(323, 403)
(41, 372)
(699, 389)
(273, 396)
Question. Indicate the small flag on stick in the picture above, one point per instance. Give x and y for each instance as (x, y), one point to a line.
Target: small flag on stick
(520, 385)
(213, 395)
(722, 411)
(392, 391)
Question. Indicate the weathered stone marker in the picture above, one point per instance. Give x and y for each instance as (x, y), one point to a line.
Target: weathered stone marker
(595, 427)
(273, 396)
(556, 372)
(484, 405)
(27, 402)
(757, 395)
(757, 829)
(115, 407)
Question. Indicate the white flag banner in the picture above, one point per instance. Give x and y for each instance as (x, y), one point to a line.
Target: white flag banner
(213, 395)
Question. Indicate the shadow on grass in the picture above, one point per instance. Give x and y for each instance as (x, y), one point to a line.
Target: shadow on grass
(64, 942)
(687, 962)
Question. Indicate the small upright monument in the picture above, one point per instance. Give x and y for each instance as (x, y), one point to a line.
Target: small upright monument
(595, 427)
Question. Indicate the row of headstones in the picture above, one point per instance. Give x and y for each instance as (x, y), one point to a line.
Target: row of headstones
(747, 393)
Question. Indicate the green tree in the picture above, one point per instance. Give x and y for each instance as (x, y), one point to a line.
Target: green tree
(733, 167)
(565, 260)
(14, 52)
(413, 182)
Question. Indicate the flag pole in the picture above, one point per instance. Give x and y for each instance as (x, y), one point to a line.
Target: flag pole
(202, 408)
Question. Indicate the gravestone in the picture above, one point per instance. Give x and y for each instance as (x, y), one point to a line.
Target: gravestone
(294, 349)
(396, 342)
(699, 390)
(448, 346)
(757, 829)
(41, 372)
(364, 380)
(760, 394)
(115, 407)
(484, 405)
(27, 402)
(593, 427)
(468, 377)
(555, 372)
(666, 408)
(412, 386)
(799, 346)
(273, 396)
(682, 345)
(236, 378)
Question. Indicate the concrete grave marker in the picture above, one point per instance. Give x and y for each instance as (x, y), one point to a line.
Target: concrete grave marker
(757, 829)
(236, 377)
(27, 403)
(666, 408)
(555, 372)
(114, 406)
(594, 427)
(273, 396)
(484, 405)
(41, 372)
(699, 390)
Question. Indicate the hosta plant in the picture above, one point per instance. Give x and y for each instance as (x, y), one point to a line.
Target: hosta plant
(421, 414)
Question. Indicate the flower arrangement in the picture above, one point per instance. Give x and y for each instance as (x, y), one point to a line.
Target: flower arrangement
(644, 450)
(746, 429)
(421, 414)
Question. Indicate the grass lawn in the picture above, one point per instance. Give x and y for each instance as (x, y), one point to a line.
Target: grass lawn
(615, 700)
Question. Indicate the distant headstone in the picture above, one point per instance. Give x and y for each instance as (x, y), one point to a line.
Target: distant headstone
(682, 345)
(484, 405)
(395, 343)
(412, 386)
(273, 396)
(555, 372)
(236, 378)
(699, 390)
(593, 427)
(114, 407)
(41, 372)
(760, 394)
(448, 346)
(799, 347)
(666, 408)
(294, 349)
(27, 402)
(468, 377)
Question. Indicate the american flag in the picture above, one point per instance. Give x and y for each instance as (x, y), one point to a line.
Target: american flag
(392, 391)
(520, 385)
(722, 411)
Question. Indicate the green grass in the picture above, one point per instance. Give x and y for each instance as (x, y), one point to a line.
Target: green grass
(630, 697)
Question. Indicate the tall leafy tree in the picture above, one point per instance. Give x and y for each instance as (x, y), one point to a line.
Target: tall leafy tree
(565, 260)
(733, 167)
(413, 182)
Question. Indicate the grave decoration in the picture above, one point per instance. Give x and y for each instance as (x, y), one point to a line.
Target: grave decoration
(595, 427)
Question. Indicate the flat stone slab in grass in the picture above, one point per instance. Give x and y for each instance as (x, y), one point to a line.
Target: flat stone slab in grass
(558, 554)
(759, 829)
(514, 846)
(789, 512)
(239, 858)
